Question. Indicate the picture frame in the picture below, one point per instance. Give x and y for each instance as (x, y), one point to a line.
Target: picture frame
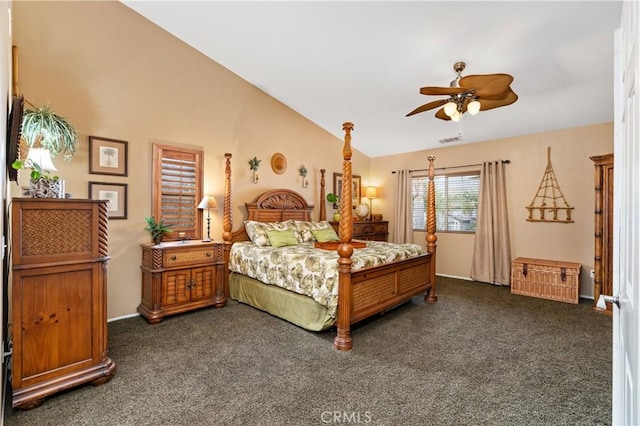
(356, 191)
(115, 193)
(14, 126)
(108, 156)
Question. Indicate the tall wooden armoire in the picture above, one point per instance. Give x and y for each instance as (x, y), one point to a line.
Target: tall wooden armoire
(603, 250)
(59, 297)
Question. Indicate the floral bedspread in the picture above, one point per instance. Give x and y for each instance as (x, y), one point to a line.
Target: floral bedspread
(304, 269)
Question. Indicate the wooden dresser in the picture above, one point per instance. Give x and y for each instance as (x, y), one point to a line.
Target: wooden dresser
(181, 276)
(59, 297)
(370, 231)
(603, 229)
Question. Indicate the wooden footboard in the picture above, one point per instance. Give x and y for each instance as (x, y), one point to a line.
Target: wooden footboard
(379, 289)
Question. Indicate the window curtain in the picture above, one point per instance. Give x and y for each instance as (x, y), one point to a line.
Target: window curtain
(491, 261)
(403, 220)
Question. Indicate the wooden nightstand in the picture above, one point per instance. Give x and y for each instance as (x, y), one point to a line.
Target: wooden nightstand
(370, 231)
(179, 277)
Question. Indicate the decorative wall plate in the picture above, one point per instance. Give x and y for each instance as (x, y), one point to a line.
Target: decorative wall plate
(278, 163)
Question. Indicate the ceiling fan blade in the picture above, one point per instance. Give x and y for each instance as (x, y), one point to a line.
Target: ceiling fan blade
(442, 90)
(428, 106)
(488, 85)
(508, 99)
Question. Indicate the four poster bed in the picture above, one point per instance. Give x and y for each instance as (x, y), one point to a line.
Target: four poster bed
(281, 245)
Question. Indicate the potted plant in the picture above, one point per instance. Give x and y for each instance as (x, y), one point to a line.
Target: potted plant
(41, 127)
(333, 198)
(42, 184)
(156, 229)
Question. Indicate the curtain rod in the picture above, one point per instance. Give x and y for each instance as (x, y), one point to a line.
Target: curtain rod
(453, 167)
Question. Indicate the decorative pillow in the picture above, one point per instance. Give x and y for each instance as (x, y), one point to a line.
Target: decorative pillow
(282, 238)
(304, 229)
(324, 235)
(257, 231)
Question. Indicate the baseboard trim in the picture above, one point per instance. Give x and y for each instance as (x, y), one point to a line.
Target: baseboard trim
(124, 317)
(454, 276)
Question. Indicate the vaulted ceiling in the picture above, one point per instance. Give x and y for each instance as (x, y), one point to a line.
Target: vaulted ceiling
(364, 61)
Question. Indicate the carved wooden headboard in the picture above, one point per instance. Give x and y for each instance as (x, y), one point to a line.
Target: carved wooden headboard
(276, 205)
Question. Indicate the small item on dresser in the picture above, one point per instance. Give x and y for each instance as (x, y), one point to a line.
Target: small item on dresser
(362, 211)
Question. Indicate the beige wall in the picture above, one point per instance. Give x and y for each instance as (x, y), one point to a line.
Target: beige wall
(570, 152)
(114, 74)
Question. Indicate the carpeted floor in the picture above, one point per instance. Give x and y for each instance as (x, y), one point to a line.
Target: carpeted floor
(480, 356)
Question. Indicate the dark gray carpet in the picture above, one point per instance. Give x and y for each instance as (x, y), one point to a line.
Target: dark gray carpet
(480, 356)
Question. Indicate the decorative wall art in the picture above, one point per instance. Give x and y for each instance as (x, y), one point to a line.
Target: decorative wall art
(549, 200)
(114, 193)
(107, 156)
(356, 182)
(278, 163)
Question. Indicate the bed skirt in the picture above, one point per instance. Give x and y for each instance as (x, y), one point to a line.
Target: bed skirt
(296, 308)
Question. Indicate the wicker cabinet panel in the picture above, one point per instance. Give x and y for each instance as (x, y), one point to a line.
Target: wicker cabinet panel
(178, 277)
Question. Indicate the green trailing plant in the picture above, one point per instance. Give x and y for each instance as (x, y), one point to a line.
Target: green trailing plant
(42, 127)
(156, 229)
(333, 198)
(36, 170)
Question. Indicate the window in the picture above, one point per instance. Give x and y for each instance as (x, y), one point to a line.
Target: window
(177, 190)
(456, 201)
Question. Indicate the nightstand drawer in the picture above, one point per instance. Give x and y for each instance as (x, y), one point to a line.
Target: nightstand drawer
(173, 258)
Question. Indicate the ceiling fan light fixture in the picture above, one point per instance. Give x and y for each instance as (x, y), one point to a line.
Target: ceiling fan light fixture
(456, 116)
(450, 108)
(474, 107)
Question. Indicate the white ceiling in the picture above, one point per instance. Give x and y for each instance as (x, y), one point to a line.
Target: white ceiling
(364, 61)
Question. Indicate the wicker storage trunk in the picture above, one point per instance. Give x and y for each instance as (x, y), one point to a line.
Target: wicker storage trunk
(547, 279)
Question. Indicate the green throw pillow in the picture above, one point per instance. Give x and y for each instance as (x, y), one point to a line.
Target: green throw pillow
(324, 235)
(282, 238)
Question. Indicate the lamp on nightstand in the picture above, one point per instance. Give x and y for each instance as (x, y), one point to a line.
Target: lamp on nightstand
(372, 192)
(208, 202)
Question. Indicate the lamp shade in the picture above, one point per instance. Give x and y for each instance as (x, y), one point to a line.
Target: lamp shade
(208, 202)
(41, 157)
(450, 108)
(473, 107)
(372, 192)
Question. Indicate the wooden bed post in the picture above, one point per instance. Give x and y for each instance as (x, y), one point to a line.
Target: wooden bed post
(431, 296)
(323, 207)
(343, 341)
(227, 221)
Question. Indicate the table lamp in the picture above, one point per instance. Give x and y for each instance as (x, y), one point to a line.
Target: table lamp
(208, 202)
(372, 192)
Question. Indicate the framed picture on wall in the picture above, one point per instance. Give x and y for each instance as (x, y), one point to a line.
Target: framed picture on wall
(107, 156)
(356, 182)
(114, 193)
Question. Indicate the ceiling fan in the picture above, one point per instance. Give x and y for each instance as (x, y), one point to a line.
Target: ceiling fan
(471, 94)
